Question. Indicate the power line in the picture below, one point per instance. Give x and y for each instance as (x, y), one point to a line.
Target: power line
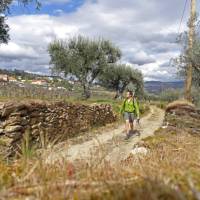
(184, 9)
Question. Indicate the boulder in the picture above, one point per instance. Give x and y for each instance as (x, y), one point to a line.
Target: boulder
(11, 108)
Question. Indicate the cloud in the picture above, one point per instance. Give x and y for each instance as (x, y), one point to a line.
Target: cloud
(58, 12)
(138, 57)
(145, 30)
(30, 36)
(15, 51)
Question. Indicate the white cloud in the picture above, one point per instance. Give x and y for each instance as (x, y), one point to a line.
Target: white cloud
(145, 30)
(15, 51)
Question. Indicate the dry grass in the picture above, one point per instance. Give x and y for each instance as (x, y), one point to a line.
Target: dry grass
(178, 103)
(169, 171)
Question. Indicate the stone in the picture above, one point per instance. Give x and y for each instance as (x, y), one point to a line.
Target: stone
(33, 121)
(10, 108)
(1, 131)
(35, 126)
(58, 120)
(35, 132)
(18, 114)
(7, 110)
(35, 114)
(5, 141)
(15, 135)
(24, 122)
(10, 129)
(12, 121)
(139, 150)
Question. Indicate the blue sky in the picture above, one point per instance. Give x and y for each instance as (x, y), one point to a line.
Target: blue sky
(47, 8)
(144, 30)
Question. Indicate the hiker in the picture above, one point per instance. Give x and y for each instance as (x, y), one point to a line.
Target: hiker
(130, 111)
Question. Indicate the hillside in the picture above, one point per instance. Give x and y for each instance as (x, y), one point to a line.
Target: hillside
(25, 75)
(157, 86)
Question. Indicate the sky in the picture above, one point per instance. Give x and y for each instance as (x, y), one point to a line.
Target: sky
(145, 31)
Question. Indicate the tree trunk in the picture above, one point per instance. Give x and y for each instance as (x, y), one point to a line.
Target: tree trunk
(119, 92)
(86, 91)
(117, 95)
(188, 81)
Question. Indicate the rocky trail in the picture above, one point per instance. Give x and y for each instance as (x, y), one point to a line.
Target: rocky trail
(111, 145)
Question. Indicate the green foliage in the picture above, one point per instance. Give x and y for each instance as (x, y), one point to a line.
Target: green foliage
(120, 77)
(187, 57)
(83, 58)
(165, 96)
(62, 83)
(4, 37)
(171, 95)
(196, 96)
(195, 57)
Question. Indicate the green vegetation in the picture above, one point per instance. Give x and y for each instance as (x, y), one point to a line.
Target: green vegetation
(83, 58)
(120, 77)
(182, 61)
(171, 95)
(190, 57)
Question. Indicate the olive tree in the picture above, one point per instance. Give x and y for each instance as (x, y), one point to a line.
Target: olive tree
(188, 56)
(121, 77)
(83, 58)
(4, 12)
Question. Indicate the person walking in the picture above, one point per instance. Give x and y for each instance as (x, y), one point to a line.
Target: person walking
(130, 111)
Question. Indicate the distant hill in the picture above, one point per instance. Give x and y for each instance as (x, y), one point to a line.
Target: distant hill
(158, 86)
(24, 74)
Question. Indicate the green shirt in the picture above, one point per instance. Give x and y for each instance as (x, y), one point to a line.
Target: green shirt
(130, 106)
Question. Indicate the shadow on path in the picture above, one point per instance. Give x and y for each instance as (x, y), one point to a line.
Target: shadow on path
(133, 133)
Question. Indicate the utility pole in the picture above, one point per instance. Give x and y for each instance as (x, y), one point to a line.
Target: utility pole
(189, 70)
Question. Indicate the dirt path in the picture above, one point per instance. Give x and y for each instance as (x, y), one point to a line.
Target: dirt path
(112, 142)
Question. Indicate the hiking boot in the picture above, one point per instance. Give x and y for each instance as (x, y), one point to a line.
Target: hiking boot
(127, 137)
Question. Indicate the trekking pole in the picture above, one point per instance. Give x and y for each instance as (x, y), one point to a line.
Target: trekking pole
(138, 123)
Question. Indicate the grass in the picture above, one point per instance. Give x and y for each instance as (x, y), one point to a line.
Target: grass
(179, 103)
(170, 170)
(159, 104)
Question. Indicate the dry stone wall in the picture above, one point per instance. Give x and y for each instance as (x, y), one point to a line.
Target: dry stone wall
(47, 122)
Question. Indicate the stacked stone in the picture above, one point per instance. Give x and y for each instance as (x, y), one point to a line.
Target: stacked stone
(52, 122)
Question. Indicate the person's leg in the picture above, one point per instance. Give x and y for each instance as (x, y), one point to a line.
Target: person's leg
(131, 126)
(126, 119)
(131, 123)
(127, 125)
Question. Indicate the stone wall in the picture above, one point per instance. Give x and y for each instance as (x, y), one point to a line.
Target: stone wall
(54, 122)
